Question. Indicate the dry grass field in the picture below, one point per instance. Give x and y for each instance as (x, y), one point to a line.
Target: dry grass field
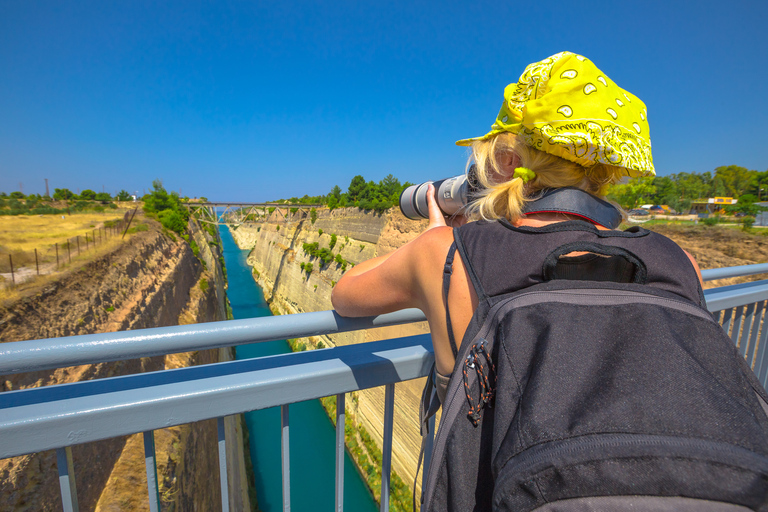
(20, 235)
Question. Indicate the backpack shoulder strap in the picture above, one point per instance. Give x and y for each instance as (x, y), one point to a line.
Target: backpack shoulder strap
(447, 271)
(473, 277)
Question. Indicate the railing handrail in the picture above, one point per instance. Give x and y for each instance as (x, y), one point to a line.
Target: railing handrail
(87, 411)
(739, 271)
(50, 353)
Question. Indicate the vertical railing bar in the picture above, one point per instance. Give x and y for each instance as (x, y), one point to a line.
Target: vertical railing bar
(386, 450)
(727, 320)
(151, 466)
(756, 323)
(737, 322)
(749, 315)
(67, 479)
(340, 418)
(285, 450)
(223, 464)
(761, 362)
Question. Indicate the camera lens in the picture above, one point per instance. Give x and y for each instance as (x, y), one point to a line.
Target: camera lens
(451, 194)
(413, 201)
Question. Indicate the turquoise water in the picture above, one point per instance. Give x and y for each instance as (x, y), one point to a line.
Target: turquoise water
(313, 438)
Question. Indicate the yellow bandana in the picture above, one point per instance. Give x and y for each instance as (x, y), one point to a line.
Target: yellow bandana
(567, 107)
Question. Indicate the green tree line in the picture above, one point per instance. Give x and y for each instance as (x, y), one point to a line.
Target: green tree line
(366, 195)
(680, 190)
(64, 194)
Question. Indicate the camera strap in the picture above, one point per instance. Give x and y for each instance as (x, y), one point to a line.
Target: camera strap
(574, 201)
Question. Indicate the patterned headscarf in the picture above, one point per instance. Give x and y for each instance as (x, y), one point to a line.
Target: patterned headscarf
(567, 107)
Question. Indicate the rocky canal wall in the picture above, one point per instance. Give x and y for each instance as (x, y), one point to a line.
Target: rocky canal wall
(155, 279)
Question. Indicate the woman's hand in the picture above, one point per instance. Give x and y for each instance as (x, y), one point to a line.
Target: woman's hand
(436, 217)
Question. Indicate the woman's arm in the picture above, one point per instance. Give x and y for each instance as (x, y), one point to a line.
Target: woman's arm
(396, 280)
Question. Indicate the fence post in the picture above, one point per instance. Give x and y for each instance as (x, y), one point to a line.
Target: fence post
(37, 265)
(57, 256)
(69, 253)
(13, 278)
(94, 238)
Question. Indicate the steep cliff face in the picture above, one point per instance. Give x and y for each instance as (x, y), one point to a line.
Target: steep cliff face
(152, 280)
(279, 264)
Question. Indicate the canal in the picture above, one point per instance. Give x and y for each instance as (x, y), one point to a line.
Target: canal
(313, 438)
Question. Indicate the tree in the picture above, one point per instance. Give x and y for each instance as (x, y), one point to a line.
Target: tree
(104, 197)
(336, 192)
(630, 194)
(736, 180)
(167, 207)
(88, 195)
(390, 187)
(17, 195)
(356, 187)
(63, 194)
(123, 195)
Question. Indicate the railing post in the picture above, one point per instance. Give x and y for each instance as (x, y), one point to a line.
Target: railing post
(223, 464)
(284, 442)
(751, 343)
(67, 479)
(149, 462)
(340, 418)
(386, 451)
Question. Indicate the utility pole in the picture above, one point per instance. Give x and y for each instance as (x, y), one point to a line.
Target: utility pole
(21, 187)
(46, 188)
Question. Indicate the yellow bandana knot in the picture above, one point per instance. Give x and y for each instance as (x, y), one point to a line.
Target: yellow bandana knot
(524, 174)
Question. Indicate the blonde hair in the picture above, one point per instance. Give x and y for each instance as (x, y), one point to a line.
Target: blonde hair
(504, 196)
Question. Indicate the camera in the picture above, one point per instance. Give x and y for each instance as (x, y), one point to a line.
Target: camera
(451, 194)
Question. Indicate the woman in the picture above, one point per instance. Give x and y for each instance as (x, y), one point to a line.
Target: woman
(563, 124)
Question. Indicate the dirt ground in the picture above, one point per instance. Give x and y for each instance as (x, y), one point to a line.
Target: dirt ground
(719, 246)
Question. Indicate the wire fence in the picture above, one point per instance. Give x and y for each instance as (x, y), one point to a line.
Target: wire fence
(20, 266)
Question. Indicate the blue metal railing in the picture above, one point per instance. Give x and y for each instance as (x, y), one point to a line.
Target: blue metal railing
(58, 417)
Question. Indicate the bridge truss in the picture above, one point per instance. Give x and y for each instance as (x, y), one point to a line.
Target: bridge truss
(238, 213)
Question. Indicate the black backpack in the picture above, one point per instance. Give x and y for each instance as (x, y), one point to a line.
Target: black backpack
(599, 382)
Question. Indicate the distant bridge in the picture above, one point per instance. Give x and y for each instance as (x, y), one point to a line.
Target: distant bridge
(237, 213)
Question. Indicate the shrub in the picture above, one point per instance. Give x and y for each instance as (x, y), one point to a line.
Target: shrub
(172, 220)
(333, 242)
(313, 215)
(195, 248)
(320, 232)
(711, 221)
(747, 223)
(204, 285)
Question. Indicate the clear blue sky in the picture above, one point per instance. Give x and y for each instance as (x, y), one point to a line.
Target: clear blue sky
(258, 100)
